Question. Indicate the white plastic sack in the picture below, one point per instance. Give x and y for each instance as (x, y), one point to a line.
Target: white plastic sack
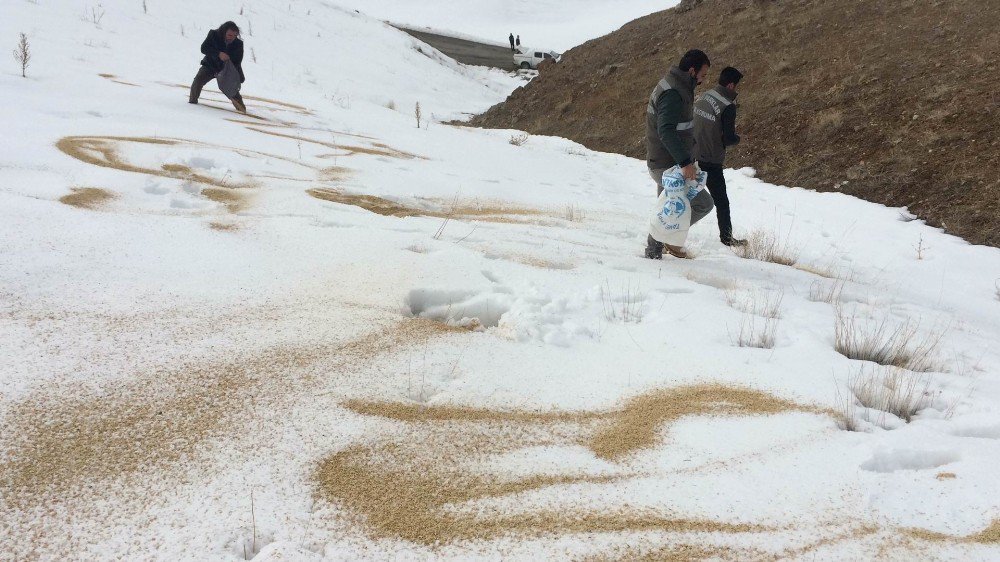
(672, 215)
(229, 80)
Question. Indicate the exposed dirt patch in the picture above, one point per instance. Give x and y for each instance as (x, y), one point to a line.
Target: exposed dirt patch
(828, 97)
(419, 486)
(87, 197)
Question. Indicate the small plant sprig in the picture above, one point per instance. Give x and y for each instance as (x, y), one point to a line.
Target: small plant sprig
(22, 54)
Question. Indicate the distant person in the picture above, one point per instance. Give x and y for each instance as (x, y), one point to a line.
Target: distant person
(219, 47)
(670, 136)
(714, 130)
(511, 42)
(518, 39)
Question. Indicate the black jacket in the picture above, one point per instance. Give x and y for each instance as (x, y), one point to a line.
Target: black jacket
(214, 44)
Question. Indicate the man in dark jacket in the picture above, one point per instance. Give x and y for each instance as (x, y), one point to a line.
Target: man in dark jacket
(714, 130)
(670, 139)
(511, 38)
(221, 45)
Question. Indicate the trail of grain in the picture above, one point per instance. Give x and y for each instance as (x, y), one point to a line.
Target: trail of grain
(87, 197)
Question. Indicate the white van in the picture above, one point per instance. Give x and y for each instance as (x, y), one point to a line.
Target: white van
(530, 58)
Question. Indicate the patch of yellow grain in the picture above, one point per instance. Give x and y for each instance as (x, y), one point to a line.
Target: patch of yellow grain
(635, 428)
(369, 203)
(232, 200)
(87, 197)
(334, 173)
(58, 441)
(418, 486)
(386, 207)
(989, 535)
(376, 148)
(103, 151)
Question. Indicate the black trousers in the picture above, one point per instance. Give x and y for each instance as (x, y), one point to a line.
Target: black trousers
(204, 76)
(716, 185)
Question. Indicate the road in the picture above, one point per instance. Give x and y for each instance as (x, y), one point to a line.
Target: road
(465, 51)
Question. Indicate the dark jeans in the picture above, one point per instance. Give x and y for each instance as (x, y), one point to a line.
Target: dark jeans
(204, 76)
(716, 185)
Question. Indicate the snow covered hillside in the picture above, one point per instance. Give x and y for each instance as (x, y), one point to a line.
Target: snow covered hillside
(545, 24)
(320, 332)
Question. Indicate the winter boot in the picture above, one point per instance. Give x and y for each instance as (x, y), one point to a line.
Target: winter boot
(238, 104)
(676, 251)
(654, 249)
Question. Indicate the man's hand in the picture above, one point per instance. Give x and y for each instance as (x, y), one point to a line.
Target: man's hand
(689, 172)
(223, 56)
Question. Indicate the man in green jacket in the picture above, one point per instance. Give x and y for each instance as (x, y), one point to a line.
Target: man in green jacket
(714, 130)
(670, 136)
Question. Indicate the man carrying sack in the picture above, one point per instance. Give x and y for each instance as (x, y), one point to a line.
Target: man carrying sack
(669, 145)
(223, 50)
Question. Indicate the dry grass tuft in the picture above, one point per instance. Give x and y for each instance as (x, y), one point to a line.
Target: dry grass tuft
(899, 345)
(519, 140)
(761, 313)
(573, 213)
(625, 304)
(758, 302)
(87, 197)
(887, 390)
(765, 245)
(828, 292)
(946, 476)
(420, 486)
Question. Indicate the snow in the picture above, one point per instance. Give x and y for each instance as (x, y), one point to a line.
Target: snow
(183, 358)
(545, 24)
